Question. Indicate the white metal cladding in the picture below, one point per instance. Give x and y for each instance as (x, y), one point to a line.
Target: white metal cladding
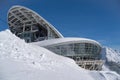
(61, 41)
(36, 16)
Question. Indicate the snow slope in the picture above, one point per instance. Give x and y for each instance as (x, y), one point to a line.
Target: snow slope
(112, 59)
(112, 55)
(22, 61)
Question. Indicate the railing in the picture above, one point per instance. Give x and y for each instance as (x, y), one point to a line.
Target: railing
(91, 64)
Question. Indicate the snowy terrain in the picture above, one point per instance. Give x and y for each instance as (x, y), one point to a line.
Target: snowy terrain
(112, 58)
(22, 61)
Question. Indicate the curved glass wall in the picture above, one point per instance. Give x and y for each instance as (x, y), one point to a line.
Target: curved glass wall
(80, 50)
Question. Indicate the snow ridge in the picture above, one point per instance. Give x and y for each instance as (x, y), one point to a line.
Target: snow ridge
(22, 61)
(12, 46)
(112, 59)
(112, 55)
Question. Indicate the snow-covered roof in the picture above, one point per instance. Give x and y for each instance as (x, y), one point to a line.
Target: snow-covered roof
(64, 41)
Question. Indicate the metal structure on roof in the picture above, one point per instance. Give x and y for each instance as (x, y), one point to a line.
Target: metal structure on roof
(30, 26)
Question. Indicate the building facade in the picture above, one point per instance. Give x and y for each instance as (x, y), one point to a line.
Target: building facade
(28, 25)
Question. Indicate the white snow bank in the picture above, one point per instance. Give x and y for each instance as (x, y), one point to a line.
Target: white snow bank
(12, 46)
(22, 61)
(109, 75)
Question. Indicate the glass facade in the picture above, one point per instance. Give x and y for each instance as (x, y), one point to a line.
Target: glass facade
(80, 50)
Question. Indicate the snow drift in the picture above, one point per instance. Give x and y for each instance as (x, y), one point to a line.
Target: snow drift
(22, 61)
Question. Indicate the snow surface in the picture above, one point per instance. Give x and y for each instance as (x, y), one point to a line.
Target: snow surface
(22, 61)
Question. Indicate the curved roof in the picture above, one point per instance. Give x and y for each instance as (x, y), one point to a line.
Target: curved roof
(60, 41)
(36, 16)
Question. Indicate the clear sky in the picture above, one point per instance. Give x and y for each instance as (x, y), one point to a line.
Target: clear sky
(94, 19)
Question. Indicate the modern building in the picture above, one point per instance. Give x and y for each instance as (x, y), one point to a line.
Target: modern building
(34, 29)
(30, 26)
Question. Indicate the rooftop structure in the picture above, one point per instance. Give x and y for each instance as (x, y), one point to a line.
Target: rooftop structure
(34, 29)
(30, 26)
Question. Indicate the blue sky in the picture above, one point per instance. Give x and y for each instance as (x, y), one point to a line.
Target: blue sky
(94, 19)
